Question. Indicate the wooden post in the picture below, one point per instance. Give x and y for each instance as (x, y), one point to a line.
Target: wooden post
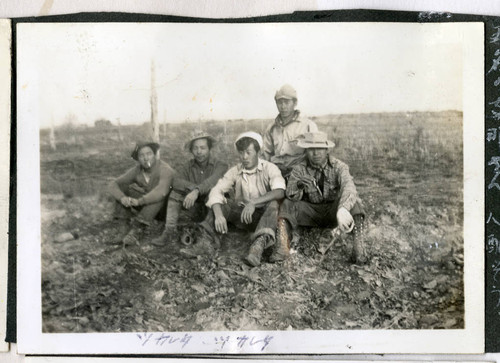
(52, 136)
(120, 136)
(154, 108)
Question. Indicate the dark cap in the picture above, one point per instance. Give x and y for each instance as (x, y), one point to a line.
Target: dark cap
(139, 145)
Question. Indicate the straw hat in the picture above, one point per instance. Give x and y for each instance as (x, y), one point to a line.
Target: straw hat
(196, 135)
(314, 140)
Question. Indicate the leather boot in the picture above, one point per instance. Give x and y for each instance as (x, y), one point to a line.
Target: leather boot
(134, 235)
(166, 236)
(256, 249)
(359, 255)
(282, 245)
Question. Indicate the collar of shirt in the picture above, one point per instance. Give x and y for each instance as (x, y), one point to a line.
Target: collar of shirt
(210, 161)
(281, 123)
(242, 170)
(316, 168)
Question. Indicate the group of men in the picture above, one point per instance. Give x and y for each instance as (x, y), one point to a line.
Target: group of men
(284, 180)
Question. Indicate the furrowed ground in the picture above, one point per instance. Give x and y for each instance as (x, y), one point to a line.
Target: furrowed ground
(408, 171)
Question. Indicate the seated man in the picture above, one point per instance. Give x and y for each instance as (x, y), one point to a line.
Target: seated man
(257, 186)
(280, 137)
(191, 186)
(142, 190)
(320, 193)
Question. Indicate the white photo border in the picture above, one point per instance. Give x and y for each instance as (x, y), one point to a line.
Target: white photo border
(31, 340)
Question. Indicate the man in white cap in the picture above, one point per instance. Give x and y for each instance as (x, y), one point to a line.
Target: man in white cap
(191, 185)
(257, 185)
(280, 137)
(321, 193)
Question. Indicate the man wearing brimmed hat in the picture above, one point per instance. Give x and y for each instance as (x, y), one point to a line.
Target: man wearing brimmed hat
(256, 185)
(191, 186)
(320, 193)
(142, 190)
(280, 137)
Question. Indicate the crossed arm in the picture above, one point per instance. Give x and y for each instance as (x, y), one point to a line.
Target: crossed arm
(248, 209)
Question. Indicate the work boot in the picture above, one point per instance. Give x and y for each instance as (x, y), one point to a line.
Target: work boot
(134, 235)
(282, 245)
(359, 255)
(256, 249)
(166, 236)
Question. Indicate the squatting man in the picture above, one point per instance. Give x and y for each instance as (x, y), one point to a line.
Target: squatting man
(321, 193)
(141, 192)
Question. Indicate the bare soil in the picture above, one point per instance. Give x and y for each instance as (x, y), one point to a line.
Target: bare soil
(412, 191)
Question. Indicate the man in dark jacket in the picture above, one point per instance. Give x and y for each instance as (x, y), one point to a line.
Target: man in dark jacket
(191, 185)
(142, 190)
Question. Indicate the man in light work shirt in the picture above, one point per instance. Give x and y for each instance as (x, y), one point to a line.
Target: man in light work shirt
(280, 137)
(142, 190)
(257, 185)
(321, 193)
(191, 185)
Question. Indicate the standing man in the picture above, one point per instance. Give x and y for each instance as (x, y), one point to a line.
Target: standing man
(142, 190)
(191, 186)
(321, 193)
(256, 185)
(280, 145)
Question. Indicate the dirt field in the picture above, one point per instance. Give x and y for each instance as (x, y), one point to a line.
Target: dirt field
(408, 170)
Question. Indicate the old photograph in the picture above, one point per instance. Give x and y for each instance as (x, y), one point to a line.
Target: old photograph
(272, 178)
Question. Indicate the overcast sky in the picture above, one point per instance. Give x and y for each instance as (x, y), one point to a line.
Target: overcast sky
(231, 71)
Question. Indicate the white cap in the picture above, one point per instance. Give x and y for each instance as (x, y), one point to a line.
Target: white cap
(251, 134)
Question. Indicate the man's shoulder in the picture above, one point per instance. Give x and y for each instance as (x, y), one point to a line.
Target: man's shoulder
(216, 161)
(337, 163)
(267, 164)
(300, 166)
(270, 127)
(233, 170)
(164, 166)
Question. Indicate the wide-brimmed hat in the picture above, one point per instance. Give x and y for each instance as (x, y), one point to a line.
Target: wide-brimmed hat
(314, 140)
(286, 91)
(196, 135)
(251, 134)
(140, 144)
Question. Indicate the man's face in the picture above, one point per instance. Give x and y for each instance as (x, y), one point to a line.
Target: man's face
(200, 150)
(317, 156)
(146, 157)
(286, 107)
(249, 157)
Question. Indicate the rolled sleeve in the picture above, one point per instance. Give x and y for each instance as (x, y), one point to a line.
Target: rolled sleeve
(224, 185)
(276, 180)
(292, 190)
(116, 186)
(348, 193)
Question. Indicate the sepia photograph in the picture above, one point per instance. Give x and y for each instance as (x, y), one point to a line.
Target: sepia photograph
(273, 179)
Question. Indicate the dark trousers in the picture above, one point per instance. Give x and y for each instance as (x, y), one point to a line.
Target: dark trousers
(178, 215)
(143, 214)
(308, 214)
(264, 219)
